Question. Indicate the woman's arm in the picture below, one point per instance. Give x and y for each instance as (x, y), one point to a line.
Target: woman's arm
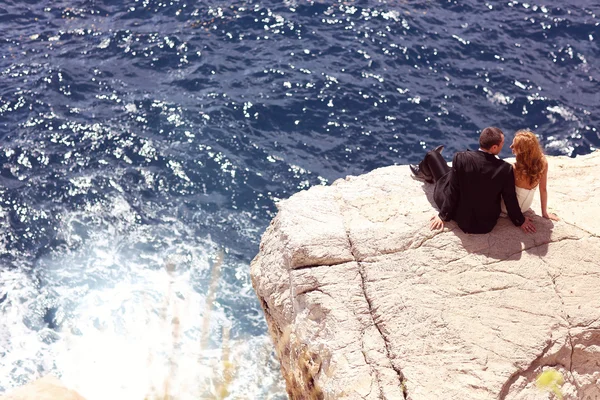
(544, 196)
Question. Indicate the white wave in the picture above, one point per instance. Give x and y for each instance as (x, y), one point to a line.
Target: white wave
(129, 311)
(565, 113)
(559, 145)
(497, 97)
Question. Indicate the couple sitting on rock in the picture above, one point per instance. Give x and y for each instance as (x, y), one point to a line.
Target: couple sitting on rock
(479, 185)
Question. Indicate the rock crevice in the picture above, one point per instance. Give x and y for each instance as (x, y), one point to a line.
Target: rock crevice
(361, 268)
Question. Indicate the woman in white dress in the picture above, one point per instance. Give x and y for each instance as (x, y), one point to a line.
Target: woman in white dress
(531, 172)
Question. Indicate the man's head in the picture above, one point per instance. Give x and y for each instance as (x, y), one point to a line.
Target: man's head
(491, 140)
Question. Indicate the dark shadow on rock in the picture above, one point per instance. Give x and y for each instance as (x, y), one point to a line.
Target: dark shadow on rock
(505, 240)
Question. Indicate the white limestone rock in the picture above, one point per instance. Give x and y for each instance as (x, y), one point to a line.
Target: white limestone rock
(363, 301)
(46, 388)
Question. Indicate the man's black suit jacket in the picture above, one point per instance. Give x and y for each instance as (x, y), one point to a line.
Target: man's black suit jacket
(471, 191)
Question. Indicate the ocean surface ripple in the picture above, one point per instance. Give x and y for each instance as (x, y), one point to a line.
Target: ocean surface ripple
(145, 144)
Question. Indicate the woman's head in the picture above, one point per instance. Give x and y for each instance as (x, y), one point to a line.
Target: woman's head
(525, 141)
(531, 161)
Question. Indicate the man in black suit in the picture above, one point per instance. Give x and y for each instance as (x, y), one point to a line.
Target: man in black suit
(470, 192)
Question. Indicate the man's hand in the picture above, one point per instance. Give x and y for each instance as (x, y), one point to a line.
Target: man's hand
(436, 223)
(528, 226)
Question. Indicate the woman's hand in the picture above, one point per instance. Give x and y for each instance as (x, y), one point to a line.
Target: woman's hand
(551, 216)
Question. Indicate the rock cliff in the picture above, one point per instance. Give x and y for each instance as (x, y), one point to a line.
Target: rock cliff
(363, 301)
(46, 388)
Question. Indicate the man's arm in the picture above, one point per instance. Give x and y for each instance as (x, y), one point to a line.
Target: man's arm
(509, 195)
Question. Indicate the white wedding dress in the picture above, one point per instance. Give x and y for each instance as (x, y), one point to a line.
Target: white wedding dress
(524, 197)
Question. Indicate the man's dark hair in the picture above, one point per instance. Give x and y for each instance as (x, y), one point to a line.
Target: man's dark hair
(489, 137)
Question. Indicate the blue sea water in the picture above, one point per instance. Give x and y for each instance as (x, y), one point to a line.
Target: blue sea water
(144, 146)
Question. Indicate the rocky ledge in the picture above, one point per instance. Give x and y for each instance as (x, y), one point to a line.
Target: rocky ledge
(363, 301)
(46, 388)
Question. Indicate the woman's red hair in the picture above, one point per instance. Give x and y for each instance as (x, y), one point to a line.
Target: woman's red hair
(531, 161)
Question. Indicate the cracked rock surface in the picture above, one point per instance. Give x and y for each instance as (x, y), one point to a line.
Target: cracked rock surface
(363, 301)
(46, 388)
